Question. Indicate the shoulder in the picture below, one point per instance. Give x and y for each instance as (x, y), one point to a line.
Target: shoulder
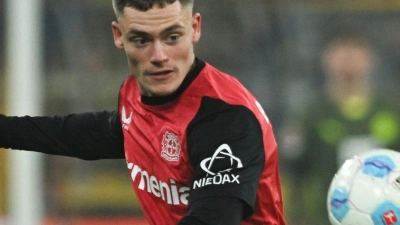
(219, 78)
(217, 84)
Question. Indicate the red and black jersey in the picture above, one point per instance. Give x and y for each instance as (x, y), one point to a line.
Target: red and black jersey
(209, 139)
(210, 142)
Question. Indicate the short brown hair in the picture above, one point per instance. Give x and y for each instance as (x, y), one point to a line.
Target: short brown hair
(144, 5)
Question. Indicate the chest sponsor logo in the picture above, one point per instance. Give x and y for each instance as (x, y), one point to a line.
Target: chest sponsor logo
(169, 191)
(219, 177)
(125, 119)
(171, 148)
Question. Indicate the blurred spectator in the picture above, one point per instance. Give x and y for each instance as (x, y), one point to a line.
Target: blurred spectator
(346, 118)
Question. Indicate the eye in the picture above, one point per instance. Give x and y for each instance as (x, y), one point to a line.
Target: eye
(139, 41)
(173, 38)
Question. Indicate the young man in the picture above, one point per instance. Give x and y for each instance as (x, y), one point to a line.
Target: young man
(199, 148)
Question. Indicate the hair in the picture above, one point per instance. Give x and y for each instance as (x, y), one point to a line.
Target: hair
(144, 5)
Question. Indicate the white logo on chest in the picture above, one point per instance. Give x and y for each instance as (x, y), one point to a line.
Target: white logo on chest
(171, 149)
(170, 192)
(126, 120)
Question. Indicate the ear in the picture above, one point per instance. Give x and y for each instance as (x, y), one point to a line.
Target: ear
(196, 25)
(117, 33)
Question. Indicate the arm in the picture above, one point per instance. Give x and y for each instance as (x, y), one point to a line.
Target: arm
(87, 136)
(226, 150)
(216, 211)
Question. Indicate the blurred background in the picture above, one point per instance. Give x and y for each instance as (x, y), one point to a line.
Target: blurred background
(326, 73)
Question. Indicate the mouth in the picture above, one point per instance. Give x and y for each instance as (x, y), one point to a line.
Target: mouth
(160, 75)
(160, 72)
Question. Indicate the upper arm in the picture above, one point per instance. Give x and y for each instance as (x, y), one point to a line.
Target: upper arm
(226, 150)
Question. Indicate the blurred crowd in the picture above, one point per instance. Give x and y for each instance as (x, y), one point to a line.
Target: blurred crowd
(345, 117)
(326, 75)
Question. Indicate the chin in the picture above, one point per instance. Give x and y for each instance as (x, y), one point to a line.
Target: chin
(161, 93)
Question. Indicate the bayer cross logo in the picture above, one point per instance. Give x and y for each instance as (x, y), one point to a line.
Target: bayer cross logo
(223, 152)
(171, 148)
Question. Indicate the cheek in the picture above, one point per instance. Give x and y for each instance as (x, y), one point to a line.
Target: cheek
(184, 50)
(133, 57)
(133, 62)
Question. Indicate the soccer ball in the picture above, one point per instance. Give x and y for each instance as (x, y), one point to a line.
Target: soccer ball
(366, 190)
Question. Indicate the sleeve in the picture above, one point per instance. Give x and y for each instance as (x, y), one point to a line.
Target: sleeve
(226, 150)
(215, 211)
(88, 136)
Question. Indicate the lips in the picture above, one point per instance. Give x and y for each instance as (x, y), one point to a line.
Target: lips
(160, 73)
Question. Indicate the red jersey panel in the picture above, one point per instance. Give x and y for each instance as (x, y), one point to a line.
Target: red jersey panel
(211, 138)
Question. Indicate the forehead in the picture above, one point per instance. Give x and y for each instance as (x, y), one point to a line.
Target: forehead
(156, 18)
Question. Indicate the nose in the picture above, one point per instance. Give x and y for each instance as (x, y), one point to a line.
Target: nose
(158, 53)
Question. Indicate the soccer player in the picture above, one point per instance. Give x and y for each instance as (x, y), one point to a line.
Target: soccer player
(198, 146)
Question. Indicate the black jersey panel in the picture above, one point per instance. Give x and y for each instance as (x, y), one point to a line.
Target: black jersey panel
(87, 136)
(225, 147)
(215, 211)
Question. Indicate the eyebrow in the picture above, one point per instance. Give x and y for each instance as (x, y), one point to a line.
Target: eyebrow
(173, 27)
(168, 29)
